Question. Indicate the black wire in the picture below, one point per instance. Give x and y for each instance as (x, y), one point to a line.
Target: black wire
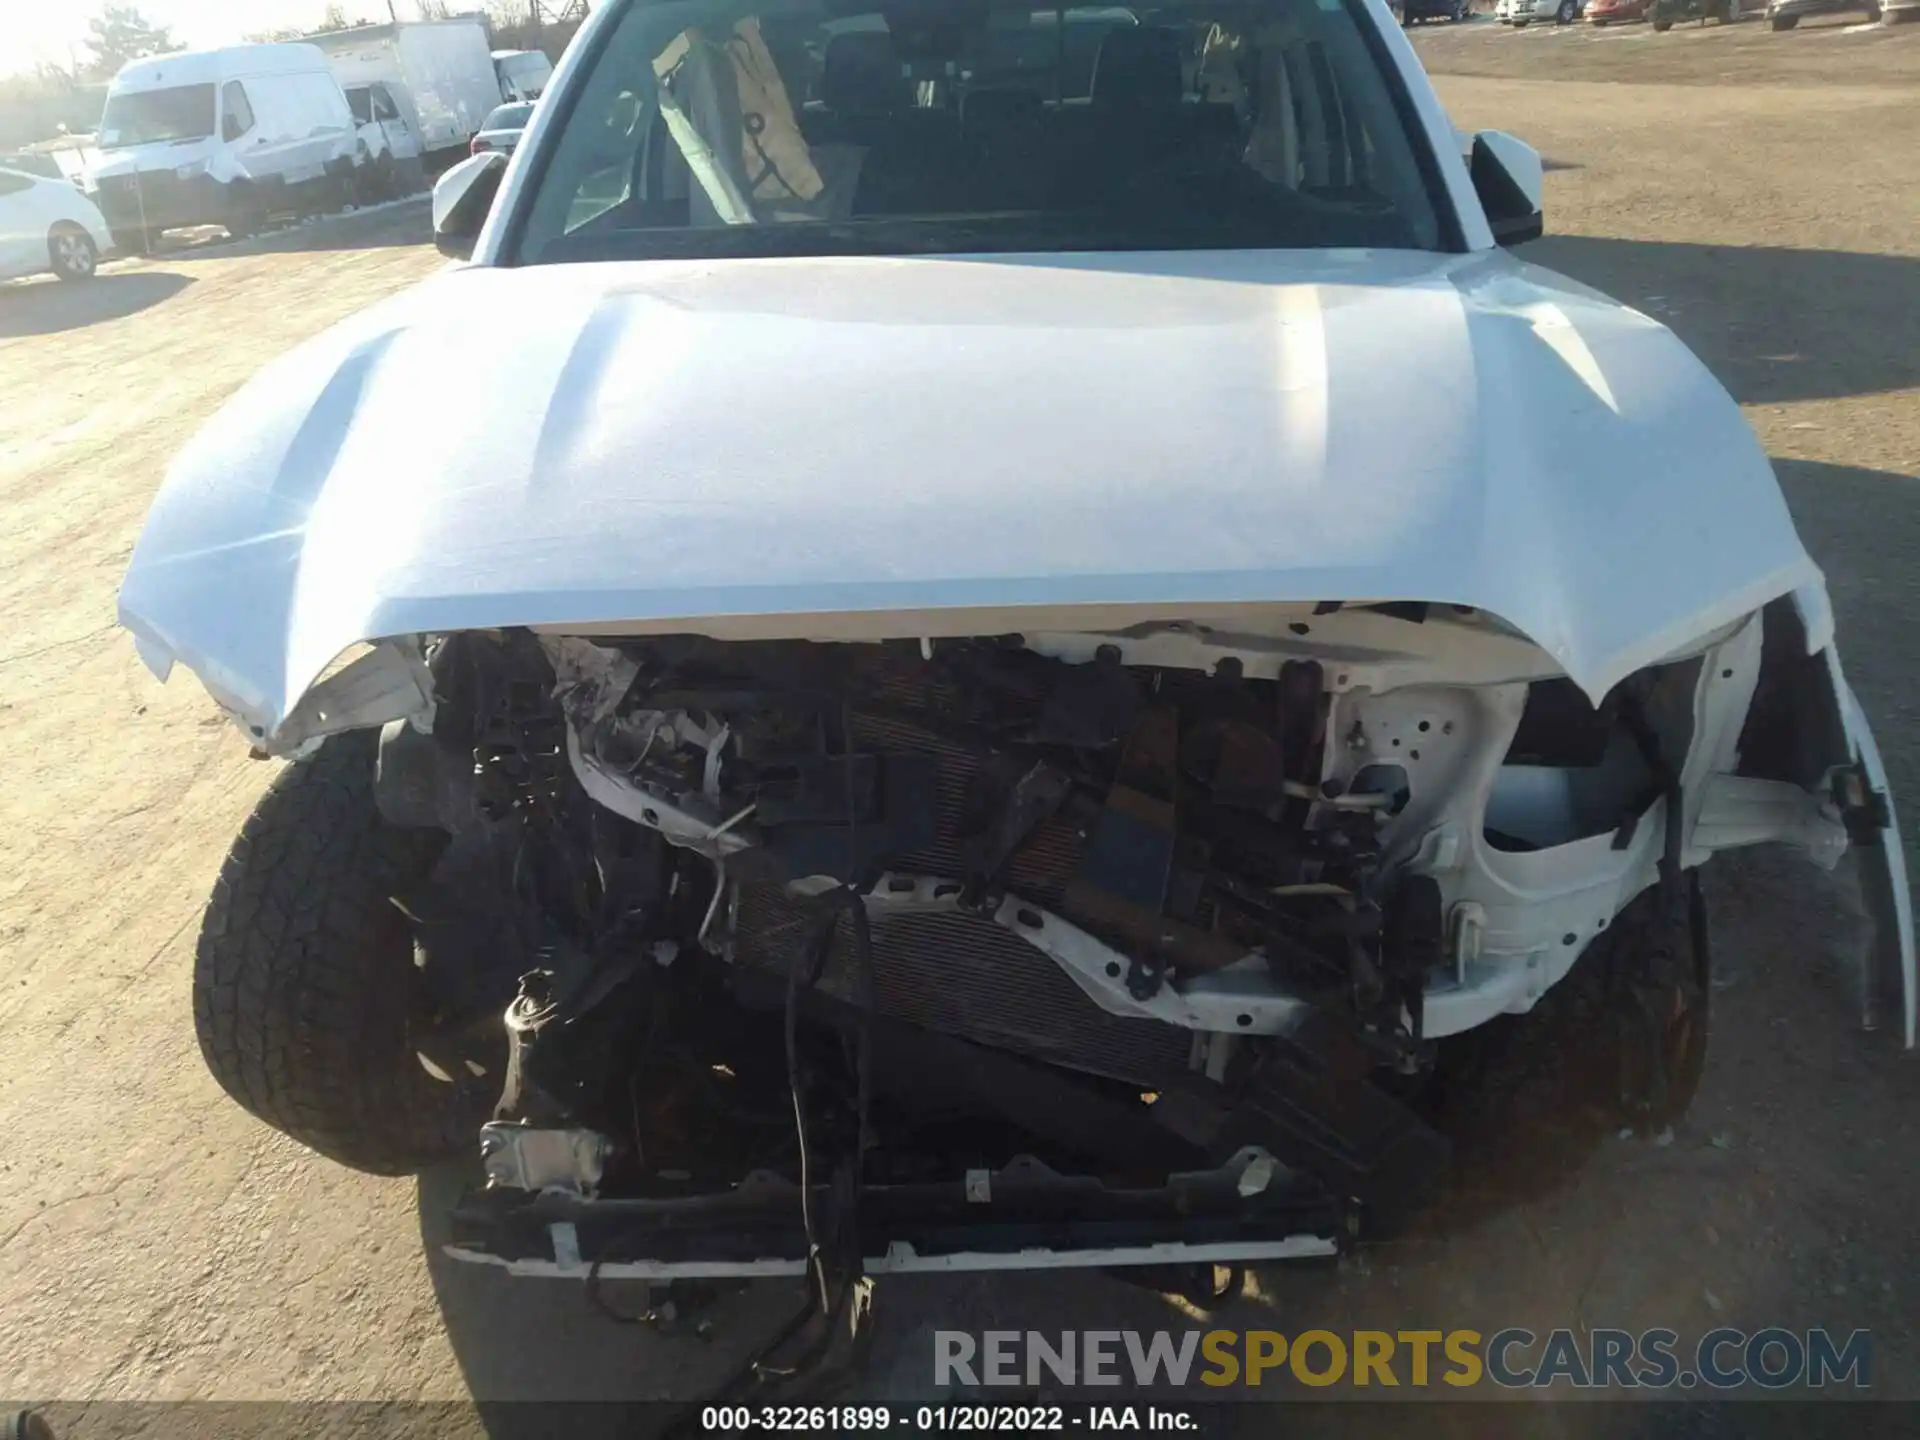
(805, 958)
(822, 1300)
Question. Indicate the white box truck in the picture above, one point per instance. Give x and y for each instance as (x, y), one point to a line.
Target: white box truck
(441, 69)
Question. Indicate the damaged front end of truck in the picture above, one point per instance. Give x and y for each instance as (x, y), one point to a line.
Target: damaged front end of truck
(1135, 946)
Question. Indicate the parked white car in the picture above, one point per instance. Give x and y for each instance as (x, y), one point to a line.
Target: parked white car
(1521, 13)
(47, 224)
(1009, 664)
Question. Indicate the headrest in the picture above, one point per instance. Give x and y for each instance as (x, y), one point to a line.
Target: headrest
(860, 74)
(1138, 66)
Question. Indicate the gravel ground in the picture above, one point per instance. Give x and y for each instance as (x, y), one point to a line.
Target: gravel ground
(157, 1244)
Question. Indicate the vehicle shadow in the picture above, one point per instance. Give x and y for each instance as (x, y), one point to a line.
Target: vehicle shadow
(49, 307)
(526, 1344)
(394, 224)
(1774, 324)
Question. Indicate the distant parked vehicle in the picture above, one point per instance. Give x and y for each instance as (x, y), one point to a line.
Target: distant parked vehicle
(1785, 14)
(1616, 12)
(440, 71)
(221, 137)
(524, 73)
(1521, 13)
(1452, 10)
(1665, 14)
(503, 129)
(46, 224)
(392, 141)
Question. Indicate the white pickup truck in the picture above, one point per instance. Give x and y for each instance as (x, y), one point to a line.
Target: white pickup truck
(925, 713)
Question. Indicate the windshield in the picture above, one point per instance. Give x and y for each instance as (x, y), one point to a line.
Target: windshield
(770, 127)
(508, 117)
(147, 117)
(360, 102)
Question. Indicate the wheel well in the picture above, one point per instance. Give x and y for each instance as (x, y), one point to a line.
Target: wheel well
(1794, 730)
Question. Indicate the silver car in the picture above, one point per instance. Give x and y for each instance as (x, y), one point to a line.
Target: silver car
(502, 129)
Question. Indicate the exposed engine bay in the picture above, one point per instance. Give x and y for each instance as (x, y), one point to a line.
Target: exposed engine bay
(1044, 949)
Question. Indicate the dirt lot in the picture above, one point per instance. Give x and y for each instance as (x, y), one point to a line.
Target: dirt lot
(155, 1243)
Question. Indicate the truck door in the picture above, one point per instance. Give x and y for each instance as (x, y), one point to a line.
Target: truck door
(403, 143)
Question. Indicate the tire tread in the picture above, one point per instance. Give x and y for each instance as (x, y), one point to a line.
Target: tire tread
(300, 988)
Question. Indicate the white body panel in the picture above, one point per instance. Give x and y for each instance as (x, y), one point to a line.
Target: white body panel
(30, 207)
(444, 66)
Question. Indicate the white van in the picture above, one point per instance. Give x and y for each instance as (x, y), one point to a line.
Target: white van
(221, 137)
(523, 74)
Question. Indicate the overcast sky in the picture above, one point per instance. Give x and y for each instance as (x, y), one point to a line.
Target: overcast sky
(46, 29)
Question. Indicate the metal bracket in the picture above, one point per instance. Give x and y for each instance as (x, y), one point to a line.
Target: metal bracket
(1241, 998)
(1736, 810)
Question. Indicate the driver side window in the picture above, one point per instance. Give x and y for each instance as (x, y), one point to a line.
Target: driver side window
(239, 112)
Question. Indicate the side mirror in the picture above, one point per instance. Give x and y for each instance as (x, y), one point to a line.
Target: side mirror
(1507, 176)
(461, 200)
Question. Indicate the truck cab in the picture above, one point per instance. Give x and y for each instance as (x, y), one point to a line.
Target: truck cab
(523, 74)
(389, 137)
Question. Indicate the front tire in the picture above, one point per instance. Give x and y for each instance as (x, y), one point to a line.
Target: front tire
(246, 215)
(1621, 1040)
(1567, 13)
(306, 990)
(71, 252)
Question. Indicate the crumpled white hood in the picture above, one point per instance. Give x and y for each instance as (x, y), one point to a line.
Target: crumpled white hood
(678, 441)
